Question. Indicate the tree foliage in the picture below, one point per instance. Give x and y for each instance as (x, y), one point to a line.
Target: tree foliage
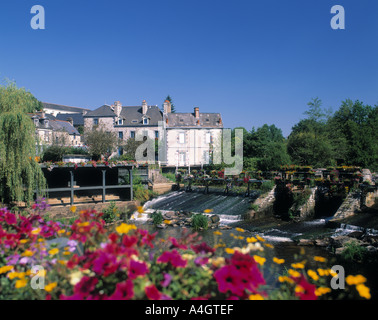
(20, 174)
(101, 142)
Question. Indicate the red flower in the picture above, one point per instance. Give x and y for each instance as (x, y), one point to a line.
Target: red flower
(85, 286)
(229, 279)
(172, 257)
(123, 291)
(10, 218)
(203, 248)
(176, 244)
(304, 289)
(137, 269)
(152, 293)
(105, 264)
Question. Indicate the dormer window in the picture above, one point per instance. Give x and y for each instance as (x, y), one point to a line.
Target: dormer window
(120, 122)
(145, 121)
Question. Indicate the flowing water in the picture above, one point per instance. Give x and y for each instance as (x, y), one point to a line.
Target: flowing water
(281, 234)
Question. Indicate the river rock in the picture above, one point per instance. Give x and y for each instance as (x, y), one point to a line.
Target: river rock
(321, 242)
(306, 242)
(214, 218)
(356, 234)
(161, 226)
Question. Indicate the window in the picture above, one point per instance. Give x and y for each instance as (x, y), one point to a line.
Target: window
(182, 137)
(206, 157)
(181, 158)
(120, 122)
(145, 120)
(132, 134)
(208, 137)
(120, 135)
(95, 121)
(156, 134)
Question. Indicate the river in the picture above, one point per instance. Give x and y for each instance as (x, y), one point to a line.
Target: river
(283, 235)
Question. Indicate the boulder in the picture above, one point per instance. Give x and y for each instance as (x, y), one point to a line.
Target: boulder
(214, 218)
(306, 242)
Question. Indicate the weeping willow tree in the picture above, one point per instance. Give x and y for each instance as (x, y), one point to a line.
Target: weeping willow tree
(20, 174)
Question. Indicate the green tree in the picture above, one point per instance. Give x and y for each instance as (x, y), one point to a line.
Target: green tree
(20, 174)
(173, 109)
(101, 142)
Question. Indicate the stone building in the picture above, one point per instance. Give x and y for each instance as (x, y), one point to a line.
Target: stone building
(50, 131)
(191, 137)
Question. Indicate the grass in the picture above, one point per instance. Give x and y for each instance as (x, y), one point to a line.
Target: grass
(200, 221)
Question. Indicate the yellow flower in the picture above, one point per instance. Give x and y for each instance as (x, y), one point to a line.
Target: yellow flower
(61, 231)
(268, 245)
(363, 291)
(240, 237)
(323, 272)
(12, 275)
(66, 253)
(75, 277)
(355, 280)
(83, 224)
(62, 262)
(278, 261)
(322, 290)
(218, 233)
(5, 269)
(36, 231)
(208, 211)
(294, 273)
(285, 279)
(229, 250)
(218, 262)
(73, 209)
(125, 228)
(298, 265)
(167, 221)
(259, 260)
(21, 283)
(23, 241)
(256, 297)
(251, 240)
(313, 275)
(260, 238)
(319, 259)
(140, 209)
(240, 229)
(27, 253)
(53, 252)
(50, 287)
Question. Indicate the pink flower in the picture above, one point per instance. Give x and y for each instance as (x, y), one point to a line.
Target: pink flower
(124, 291)
(152, 292)
(203, 248)
(229, 279)
(306, 290)
(10, 218)
(172, 257)
(137, 269)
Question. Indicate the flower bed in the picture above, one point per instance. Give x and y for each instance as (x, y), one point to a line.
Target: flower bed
(124, 262)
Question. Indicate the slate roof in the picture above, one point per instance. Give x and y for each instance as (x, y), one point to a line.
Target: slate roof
(53, 124)
(77, 118)
(60, 107)
(206, 120)
(132, 116)
(103, 111)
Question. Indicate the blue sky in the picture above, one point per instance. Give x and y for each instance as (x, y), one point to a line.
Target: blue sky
(255, 62)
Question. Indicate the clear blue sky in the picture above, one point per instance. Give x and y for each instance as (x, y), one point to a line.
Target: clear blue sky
(255, 62)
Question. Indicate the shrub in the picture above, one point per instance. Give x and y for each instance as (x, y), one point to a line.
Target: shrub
(267, 186)
(111, 213)
(157, 218)
(353, 251)
(200, 221)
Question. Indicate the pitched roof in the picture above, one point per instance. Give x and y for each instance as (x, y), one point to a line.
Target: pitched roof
(206, 120)
(59, 107)
(133, 116)
(53, 124)
(103, 111)
(77, 118)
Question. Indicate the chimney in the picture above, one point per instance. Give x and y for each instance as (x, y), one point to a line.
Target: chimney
(196, 112)
(144, 107)
(167, 107)
(117, 108)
